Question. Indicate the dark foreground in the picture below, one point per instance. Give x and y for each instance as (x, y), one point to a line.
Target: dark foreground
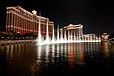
(57, 59)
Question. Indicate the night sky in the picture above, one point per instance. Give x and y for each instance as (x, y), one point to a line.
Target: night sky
(97, 16)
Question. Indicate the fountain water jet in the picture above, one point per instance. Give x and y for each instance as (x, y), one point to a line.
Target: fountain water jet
(66, 39)
(53, 37)
(39, 33)
(47, 34)
(58, 34)
(68, 36)
(74, 37)
(71, 37)
(61, 36)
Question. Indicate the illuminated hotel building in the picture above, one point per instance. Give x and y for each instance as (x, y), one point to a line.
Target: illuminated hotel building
(22, 21)
(75, 29)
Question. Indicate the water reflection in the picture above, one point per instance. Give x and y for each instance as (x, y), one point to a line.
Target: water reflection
(54, 59)
(105, 49)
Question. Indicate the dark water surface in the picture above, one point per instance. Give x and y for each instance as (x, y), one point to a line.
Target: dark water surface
(57, 59)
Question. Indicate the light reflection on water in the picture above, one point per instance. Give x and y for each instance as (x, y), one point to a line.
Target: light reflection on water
(55, 59)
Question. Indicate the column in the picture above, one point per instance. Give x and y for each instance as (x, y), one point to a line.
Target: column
(14, 23)
(30, 27)
(23, 26)
(11, 21)
(80, 33)
(17, 23)
(6, 21)
(9, 28)
(26, 26)
(20, 26)
(36, 28)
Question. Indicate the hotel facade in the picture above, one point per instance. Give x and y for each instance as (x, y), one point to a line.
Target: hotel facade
(22, 21)
(76, 30)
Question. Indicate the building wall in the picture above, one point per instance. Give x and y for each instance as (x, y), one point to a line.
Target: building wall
(76, 30)
(22, 21)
